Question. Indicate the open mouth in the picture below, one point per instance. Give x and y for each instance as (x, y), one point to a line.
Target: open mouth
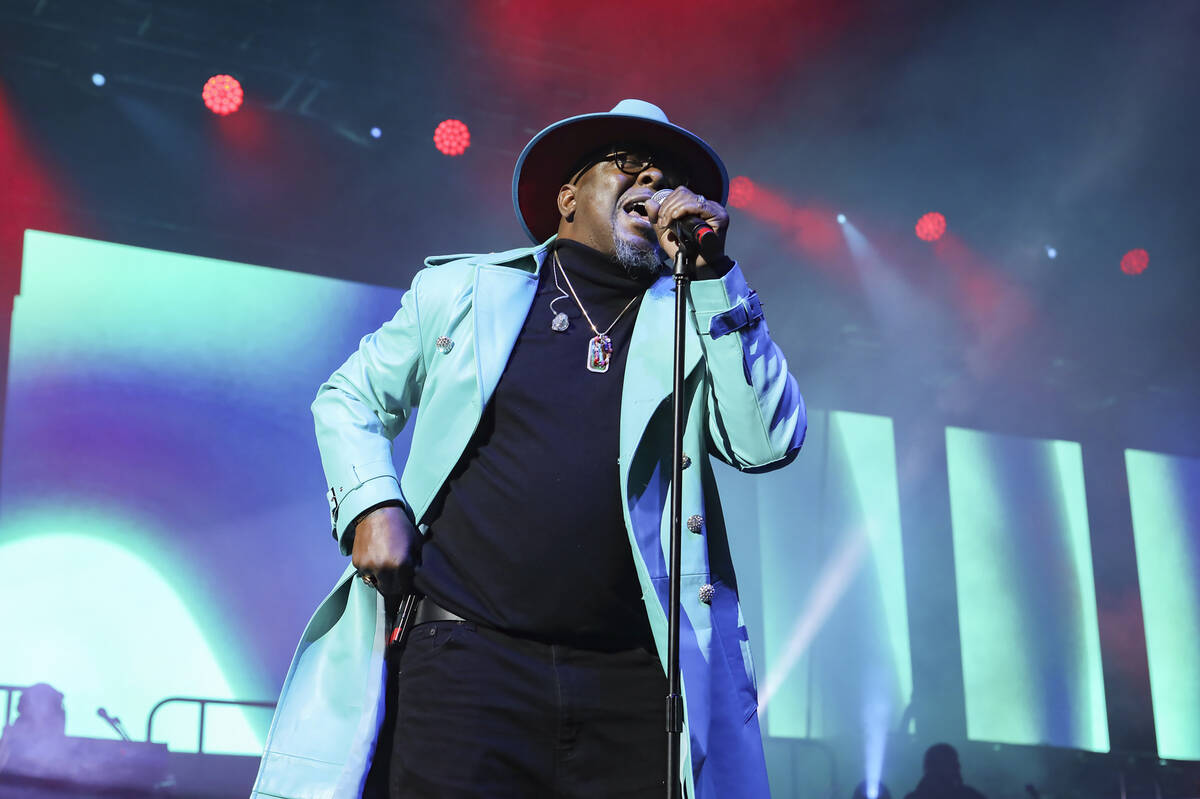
(637, 210)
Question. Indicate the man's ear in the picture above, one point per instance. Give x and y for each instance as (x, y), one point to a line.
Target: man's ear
(566, 202)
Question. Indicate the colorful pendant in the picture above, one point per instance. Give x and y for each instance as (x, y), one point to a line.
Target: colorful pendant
(599, 353)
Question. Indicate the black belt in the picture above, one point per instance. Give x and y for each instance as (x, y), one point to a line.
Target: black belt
(424, 610)
(428, 610)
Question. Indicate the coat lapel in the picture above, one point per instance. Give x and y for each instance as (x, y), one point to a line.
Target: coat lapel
(502, 298)
(648, 370)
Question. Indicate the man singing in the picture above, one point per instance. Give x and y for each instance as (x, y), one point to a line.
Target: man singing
(532, 516)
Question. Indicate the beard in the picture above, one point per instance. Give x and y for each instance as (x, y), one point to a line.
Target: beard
(640, 261)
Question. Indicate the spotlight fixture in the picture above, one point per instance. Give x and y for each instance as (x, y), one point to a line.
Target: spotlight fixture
(1051, 253)
(1135, 262)
(222, 94)
(452, 137)
(741, 190)
(841, 219)
(931, 227)
(98, 79)
(376, 133)
(871, 790)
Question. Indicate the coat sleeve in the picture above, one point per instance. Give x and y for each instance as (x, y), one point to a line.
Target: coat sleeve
(361, 408)
(756, 416)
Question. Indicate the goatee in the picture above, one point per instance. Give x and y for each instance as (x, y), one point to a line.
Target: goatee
(640, 263)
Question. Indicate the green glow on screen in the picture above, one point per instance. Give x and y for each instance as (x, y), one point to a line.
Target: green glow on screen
(1163, 491)
(1026, 592)
(92, 309)
(109, 628)
(835, 609)
(134, 377)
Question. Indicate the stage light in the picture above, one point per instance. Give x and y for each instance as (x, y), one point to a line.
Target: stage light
(222, 94)
(98, 79)
(1051, 253)
(931, 227)
(1135, 262)
(868, 789)
(741, 191)
(841, 219)
(376, 133)
(451, 137)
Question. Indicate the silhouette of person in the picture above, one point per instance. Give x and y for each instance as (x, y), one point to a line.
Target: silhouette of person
(943, 776)
(40, 712)
(33, 742)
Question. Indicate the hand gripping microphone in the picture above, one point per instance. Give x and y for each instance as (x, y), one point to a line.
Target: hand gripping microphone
(694, 235)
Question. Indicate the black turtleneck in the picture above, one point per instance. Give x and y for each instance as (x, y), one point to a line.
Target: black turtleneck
(528, 534)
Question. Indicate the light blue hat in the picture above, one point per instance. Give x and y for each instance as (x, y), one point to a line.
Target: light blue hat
(543, 165)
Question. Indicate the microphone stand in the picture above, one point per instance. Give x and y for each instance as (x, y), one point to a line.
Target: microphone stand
(683, 279)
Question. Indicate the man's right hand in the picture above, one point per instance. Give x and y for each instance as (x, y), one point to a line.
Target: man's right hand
(387, 548)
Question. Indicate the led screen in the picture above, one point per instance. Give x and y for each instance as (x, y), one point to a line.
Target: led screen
(163, 524)
(835, 621)
(1026, 594)
(1164, 495)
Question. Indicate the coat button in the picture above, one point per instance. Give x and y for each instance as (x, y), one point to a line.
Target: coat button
(444, 344)
(686, 461)
(695, 523)
(707, 592)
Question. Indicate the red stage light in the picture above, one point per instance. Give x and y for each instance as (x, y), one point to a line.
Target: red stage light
(451, 137)
(222, 94)
(1135, 262)
(931, 227)
(741, 191)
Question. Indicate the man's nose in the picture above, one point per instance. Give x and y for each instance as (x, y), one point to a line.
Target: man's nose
(653, 177)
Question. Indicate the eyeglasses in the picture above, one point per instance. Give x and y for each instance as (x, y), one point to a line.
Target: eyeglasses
(635, 163)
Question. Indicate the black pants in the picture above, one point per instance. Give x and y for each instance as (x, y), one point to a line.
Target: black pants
(473, 712)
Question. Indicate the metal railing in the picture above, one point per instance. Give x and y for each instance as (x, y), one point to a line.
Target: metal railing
(204, 703)
(9, 691)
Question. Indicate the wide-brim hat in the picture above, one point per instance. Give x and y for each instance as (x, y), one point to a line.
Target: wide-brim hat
(542, 168)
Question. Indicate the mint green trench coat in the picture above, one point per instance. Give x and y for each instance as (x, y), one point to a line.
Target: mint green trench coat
(742, 406)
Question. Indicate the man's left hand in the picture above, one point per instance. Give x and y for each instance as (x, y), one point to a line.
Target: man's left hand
(681, 203)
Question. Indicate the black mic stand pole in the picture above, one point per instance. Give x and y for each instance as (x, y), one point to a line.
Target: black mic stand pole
(683, 279)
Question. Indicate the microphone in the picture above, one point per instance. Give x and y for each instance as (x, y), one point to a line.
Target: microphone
(693, 234)
(113, 722)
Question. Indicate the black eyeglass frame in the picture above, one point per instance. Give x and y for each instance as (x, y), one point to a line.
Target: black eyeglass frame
(619, 154)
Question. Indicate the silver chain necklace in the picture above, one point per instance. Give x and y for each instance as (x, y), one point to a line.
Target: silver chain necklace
(599, 346)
